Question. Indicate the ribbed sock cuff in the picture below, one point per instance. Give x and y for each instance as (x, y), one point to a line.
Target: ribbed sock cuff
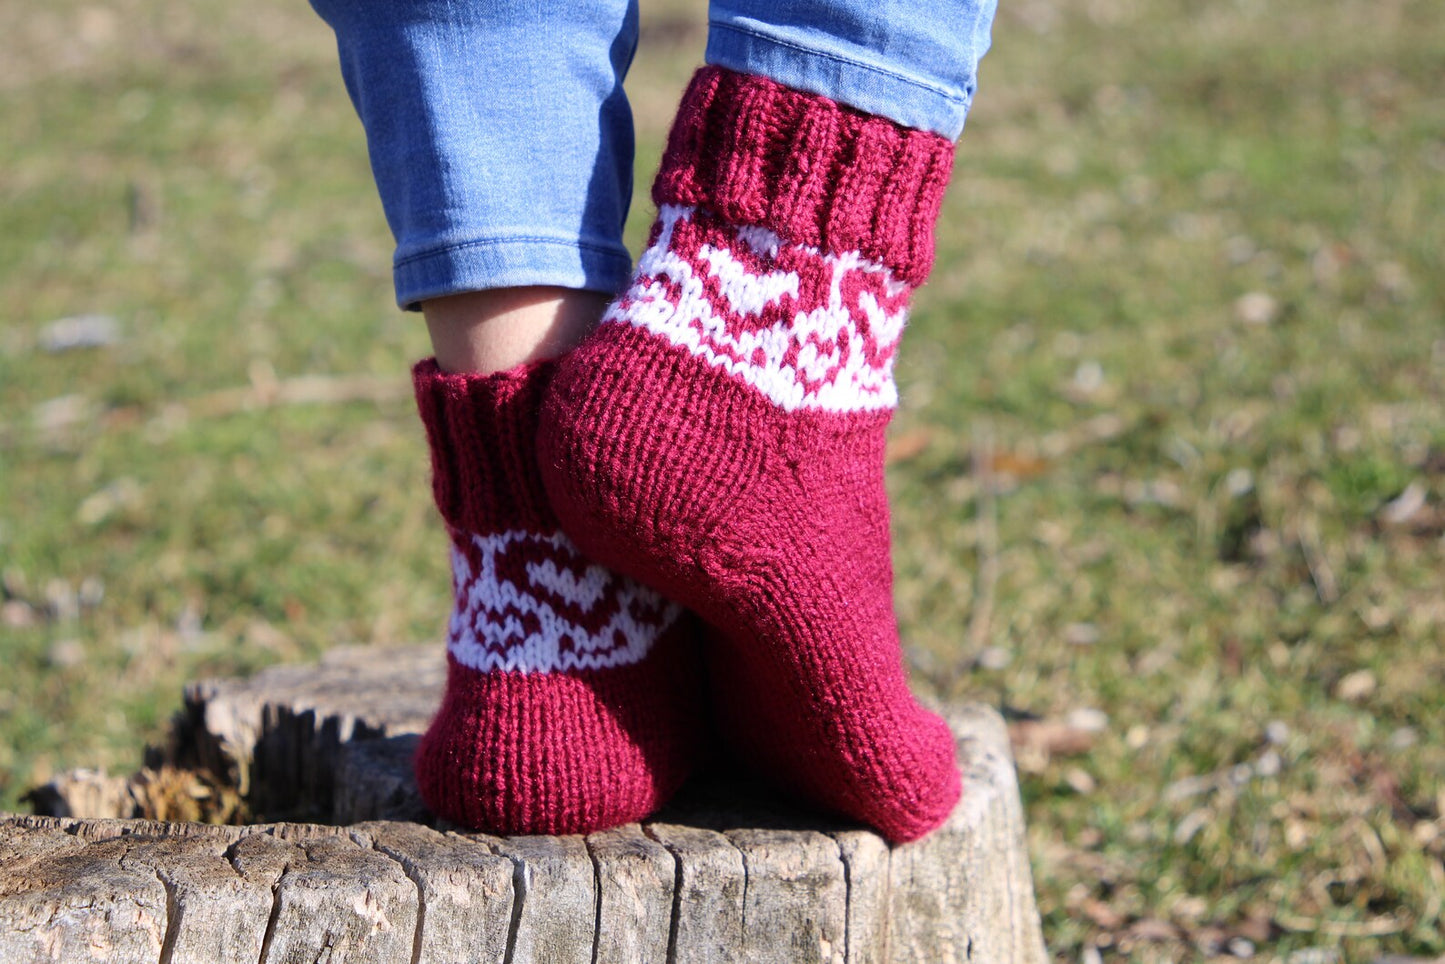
(483, 435)
(812, 170)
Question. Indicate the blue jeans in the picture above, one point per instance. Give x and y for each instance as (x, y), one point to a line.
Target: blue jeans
(501, 139)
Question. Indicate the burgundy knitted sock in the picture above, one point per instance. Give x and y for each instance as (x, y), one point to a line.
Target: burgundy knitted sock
(720, 437)
(572, 698)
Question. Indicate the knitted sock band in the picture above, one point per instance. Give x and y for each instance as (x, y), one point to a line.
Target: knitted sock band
(483, 431)
(812, 170)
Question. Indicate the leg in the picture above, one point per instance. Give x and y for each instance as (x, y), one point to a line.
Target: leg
(502, 148)
(572, 692)
(910, 61)
(494, 330)
(503, 167)
(720, 437)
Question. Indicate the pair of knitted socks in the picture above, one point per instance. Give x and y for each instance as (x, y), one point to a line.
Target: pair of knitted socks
(714, 448)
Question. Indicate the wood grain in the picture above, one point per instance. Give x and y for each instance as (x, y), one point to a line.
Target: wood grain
(729, 872)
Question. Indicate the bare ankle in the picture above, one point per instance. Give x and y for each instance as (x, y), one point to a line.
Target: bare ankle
(501, 328)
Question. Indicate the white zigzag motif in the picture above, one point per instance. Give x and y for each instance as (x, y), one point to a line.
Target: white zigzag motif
(498, 625)
(834, 356)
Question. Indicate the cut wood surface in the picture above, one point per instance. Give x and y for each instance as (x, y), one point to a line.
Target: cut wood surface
(729, 872)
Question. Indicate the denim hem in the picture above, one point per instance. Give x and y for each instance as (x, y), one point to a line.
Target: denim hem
(509, 263)
(867, 87)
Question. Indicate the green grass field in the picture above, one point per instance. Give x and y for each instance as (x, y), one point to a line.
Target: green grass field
(1169, 475)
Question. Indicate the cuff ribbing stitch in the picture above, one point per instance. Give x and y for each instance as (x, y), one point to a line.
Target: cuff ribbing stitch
(483, 435)
(814, 171)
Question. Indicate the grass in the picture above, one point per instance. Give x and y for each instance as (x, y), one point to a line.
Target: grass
(1168, 402)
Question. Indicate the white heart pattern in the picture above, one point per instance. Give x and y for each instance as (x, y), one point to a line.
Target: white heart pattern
(532, 603)
(805, 328)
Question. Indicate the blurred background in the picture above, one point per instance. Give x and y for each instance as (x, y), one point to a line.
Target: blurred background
(1169, 474)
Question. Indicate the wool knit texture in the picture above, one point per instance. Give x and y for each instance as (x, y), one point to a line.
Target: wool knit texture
(814, 171)
(572, 692)
(720, 437)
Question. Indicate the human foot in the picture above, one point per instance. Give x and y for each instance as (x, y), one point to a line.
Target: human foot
(720, 437)
(573, 697)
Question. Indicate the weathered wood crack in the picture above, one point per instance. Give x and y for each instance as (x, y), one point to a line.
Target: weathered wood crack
(596, 901)
(271, 919)
(514, 921)
(729, 872)
(420, 901)
(173, 918)
(847, 902)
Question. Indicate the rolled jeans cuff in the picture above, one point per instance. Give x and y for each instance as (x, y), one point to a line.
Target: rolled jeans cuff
(510, 263)
(885, 89)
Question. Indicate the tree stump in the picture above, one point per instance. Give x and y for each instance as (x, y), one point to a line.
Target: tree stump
(729, 872)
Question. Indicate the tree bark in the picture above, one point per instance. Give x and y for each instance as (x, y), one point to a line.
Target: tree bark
(728, 872)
